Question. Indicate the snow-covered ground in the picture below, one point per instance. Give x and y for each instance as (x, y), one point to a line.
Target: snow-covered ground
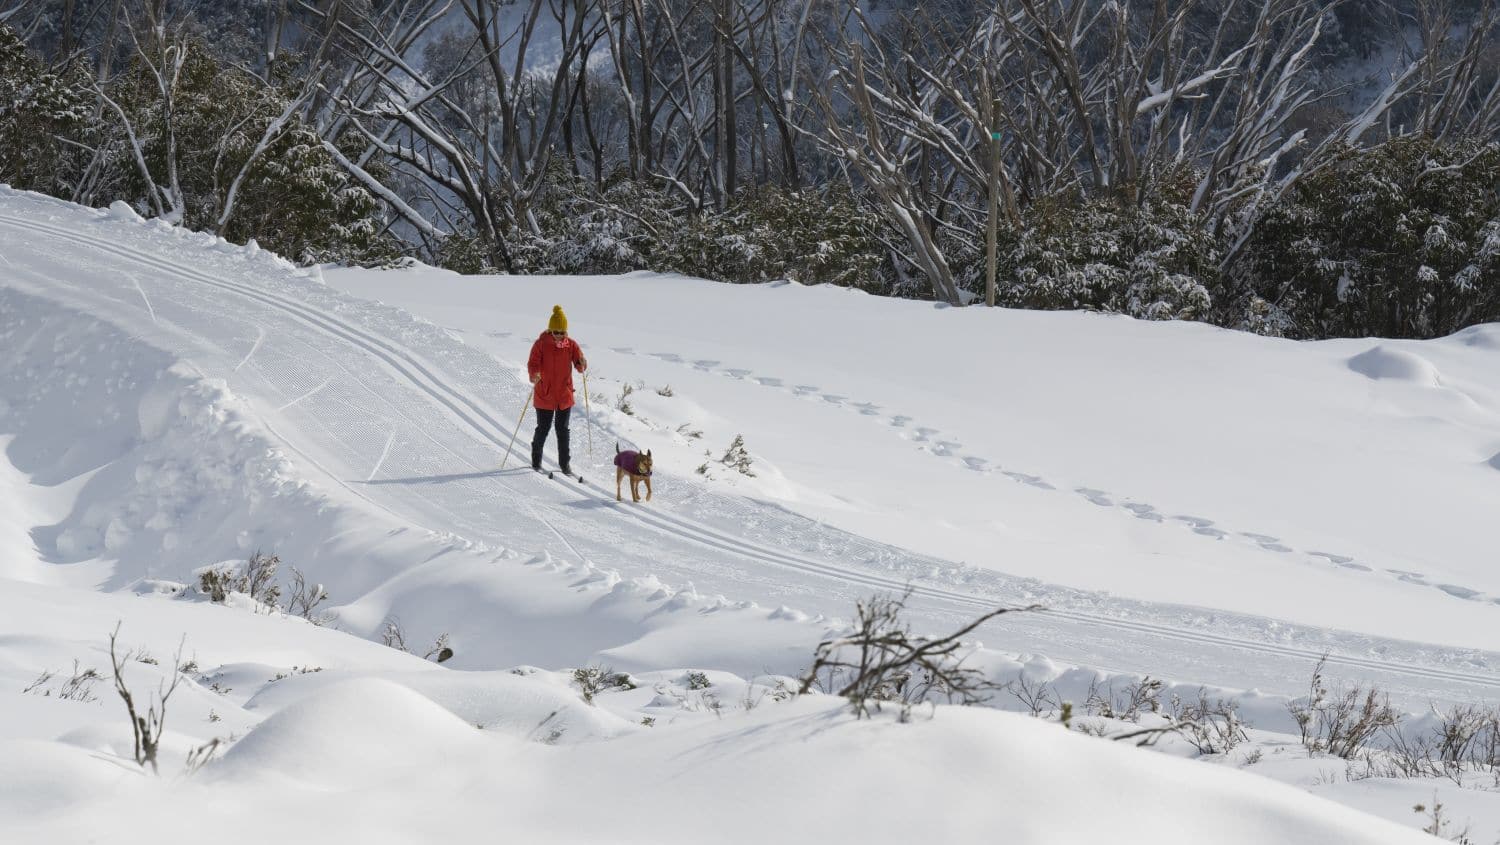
(1204, 506)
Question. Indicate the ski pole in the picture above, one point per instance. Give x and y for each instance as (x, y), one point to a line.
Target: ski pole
(588, 414)
(524, 406)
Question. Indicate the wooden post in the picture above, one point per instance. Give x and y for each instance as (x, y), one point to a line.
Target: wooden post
(992, 236)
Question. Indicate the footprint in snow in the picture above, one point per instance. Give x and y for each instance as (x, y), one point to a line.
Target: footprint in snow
(1098, 497)
(1198, 525)
(1143, 511)
(1033, 480)
(1267, 542)
(1460, 592)
(1202, 526)
(1342, 560)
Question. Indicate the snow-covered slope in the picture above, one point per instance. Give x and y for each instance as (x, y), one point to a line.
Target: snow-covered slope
(169, 401)
(1026, 442)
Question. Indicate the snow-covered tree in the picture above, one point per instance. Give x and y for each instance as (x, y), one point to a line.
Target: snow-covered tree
(241, 158)
(39, 109)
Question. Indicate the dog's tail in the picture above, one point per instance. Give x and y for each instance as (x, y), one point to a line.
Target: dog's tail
(617, 447)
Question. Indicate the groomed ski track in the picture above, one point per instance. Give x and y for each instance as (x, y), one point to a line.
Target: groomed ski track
(403, 416)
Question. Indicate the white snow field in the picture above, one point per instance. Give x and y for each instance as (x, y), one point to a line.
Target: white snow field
(1208, 507)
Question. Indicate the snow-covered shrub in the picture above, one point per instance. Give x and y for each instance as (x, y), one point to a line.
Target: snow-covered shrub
(1038, 697)
(465, 252)
(1458, 742)
(440, 650)
(1402, 240)
(1437, 823)
(1155, 261)
(812, 236)
(613, 229)
(256, 579)
(592, 680)
(393, 635)
(78, 686)
(1143, 696)
(738, 457)
(1210, 727)
(1341, 721)
(304, 599)
(880, 660)
(827, 236)
(623, 403)
(216, 583)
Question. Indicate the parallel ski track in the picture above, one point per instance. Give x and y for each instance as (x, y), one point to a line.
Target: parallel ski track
(473, 415)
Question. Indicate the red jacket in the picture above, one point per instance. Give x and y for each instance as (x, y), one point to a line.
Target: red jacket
(555, 361)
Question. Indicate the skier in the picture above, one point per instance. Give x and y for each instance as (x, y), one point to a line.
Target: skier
(552, 356)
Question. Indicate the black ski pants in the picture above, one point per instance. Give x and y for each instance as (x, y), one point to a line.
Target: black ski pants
(544, 421)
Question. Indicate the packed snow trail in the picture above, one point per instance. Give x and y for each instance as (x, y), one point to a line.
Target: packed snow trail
(394, 412)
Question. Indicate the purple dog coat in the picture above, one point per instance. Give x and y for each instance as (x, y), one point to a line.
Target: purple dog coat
(628, 462)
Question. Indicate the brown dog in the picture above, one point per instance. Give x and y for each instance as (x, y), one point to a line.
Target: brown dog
(637, 465)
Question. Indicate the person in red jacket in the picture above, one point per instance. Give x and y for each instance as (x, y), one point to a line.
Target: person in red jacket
(554, 356)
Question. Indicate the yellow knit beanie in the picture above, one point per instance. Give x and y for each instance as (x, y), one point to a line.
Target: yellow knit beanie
(559, 321)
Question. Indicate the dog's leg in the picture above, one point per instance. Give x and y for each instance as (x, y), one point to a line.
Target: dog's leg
(619, 474)
(635, 489)
(648, 488)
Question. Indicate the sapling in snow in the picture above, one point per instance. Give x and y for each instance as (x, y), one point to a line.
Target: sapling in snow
(146, 727)
(737, 457)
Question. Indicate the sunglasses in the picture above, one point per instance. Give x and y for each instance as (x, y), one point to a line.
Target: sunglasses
(559, 334)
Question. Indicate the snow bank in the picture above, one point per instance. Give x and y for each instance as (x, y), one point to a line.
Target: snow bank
(503, 702)
(353, 735)
(168, 474)
(1382, 362)
(380, 763)
(121, 210)
(42, 779)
